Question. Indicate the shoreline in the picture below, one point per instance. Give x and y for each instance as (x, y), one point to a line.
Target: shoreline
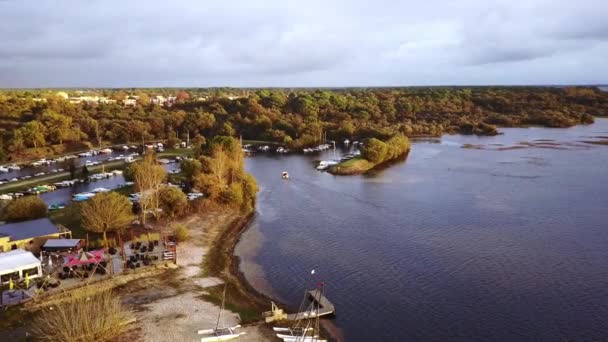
(223, 247)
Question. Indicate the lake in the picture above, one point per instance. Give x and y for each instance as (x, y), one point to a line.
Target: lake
(503, 241)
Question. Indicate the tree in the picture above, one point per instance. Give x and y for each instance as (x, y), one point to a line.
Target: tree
(25, 208)
(374, 150)
(72, 168)
(59, 126)
(148, 176)
(85, 173)
(106, 212)
(191, 168)
(33, 132)
(173, 201)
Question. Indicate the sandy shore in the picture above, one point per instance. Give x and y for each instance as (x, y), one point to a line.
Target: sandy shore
(174, 306)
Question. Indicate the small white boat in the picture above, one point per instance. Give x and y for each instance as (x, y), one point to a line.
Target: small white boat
(6, 197)
(117, 172)
(14, 167)
(285, 175)
(222, 336)
(346, 141)
(84, 194)
(105, 150)
(217, 333)
(98, 190)
(4, 169)
(303, 339)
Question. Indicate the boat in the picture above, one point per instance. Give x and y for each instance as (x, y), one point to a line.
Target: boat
(346, 141)
(98, 190)
(325, 164)
(14, 167)
(6, 197)
(105, 150)
(83, 196)
(285, 175)
(217, 333)
(4, 169)
(308, 323)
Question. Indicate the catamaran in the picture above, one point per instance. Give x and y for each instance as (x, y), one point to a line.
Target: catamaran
(305, 327)
(217, 333)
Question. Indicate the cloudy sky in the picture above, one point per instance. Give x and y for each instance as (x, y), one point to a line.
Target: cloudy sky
(117, 43)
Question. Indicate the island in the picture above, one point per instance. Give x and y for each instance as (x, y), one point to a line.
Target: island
(374, 153)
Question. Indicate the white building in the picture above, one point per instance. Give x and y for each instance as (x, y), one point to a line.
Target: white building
(17, 263)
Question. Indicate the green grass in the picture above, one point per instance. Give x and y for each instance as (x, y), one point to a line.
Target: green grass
(71, 219)
(234, 302)
(354, 166)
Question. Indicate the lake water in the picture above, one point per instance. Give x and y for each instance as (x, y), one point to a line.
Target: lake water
(506, 241)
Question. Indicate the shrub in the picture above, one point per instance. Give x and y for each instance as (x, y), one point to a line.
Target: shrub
(181, 232)
(25, 208)
(94, 317)
(374, 150)
(233, 194)
(191, 167)
(173, 201)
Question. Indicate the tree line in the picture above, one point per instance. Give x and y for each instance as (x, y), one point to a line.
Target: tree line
(37, 120)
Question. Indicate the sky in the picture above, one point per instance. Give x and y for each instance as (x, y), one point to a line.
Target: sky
(312, 43)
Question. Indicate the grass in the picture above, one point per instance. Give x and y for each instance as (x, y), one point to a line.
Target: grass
(84, 317)
(354, 166)
(234, 302)
(70, 218)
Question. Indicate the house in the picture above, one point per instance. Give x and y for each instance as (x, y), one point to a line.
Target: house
(30, 235)
(16, 264)
(129, 102)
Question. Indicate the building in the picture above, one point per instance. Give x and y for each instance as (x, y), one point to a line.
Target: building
(16, 264)
(30, 235)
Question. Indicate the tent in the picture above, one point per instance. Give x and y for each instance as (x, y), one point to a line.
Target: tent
(18, 263)
(85, 258)
(60, 245)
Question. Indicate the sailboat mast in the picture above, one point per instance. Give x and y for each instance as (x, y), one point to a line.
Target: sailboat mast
(221, 308)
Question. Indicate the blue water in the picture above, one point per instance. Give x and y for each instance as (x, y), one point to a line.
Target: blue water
(505, 242)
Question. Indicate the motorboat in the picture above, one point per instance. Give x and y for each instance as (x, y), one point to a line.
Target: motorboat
(4, 169)
(285, 175)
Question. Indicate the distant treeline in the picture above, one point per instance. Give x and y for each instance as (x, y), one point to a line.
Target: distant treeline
(40, 120)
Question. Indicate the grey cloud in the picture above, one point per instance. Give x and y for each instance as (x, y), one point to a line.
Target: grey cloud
(289, 43)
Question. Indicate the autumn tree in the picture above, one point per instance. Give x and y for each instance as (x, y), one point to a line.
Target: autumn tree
(148, 176)
(106, 212)
(173, 201)
(374, 150)
(25, 208)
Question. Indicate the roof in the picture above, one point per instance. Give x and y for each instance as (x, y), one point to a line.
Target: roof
(61, 243)
(17, 259)
(29, 229)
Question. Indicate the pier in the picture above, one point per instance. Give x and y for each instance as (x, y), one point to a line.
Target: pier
(325, 307)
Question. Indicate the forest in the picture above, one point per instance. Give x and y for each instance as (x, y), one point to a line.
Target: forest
(38, 123)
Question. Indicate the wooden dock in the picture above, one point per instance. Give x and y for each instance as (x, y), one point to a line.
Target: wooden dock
(325, 307)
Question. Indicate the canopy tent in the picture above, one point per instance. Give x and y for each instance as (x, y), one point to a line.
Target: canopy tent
(18, 263)
(85, 258)
(56, 245)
